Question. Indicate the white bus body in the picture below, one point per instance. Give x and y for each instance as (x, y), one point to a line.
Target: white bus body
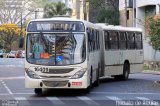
(74, 54)
(124, 51)
(61, 53)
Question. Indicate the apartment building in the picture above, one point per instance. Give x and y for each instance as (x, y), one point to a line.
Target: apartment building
(133, 13)
(80, 9)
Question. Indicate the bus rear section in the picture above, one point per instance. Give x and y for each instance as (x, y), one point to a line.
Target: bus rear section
(57, 55)
(122, 51)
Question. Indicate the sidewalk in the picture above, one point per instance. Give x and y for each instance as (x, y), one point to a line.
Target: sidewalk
(151, 72)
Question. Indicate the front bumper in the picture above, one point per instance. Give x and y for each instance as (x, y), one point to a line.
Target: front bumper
(65, 83)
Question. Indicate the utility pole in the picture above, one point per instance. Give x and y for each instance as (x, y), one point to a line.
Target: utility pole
(21, 24)
(126, 12)
(84, 10)
(133, 20)
(36, 14)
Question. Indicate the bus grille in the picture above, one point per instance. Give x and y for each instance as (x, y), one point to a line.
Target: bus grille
(59, 71)
(55, 83)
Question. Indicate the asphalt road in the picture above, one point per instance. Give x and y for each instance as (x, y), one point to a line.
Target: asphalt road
(139, 90)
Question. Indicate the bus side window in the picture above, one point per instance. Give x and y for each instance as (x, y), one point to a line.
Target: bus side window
(138, 40)
(98, 44)
(89, 42)
(122, 41)
(93, 41)
(130, 40)
(96, 40)
(106, 37)
(113, 36)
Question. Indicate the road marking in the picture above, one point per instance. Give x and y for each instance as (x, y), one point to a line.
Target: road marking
(11, 78)
(87, 100)
(9, 91)
(113, 98)
(22, 101)
(142, 98)
(119, 93)
(20, 98)
(55, 100)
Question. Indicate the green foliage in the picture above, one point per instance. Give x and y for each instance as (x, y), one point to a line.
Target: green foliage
(53, 9)
(108, 16)
(154, 26)
(41, 3)
(107, 11)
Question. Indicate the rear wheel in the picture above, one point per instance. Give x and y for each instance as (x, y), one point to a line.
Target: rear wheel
(125, 74)
(38, 91)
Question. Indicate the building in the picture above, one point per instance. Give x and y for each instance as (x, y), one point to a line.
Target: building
(134, 15)
(126, 14)
(80, 9)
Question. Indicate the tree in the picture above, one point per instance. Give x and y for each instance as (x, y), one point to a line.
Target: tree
(153, 26)
(53, 9)
(9, 33)
(108, 16)
(11, 11)
(105, 11)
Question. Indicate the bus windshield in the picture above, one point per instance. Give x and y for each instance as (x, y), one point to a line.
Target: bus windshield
(56, 49)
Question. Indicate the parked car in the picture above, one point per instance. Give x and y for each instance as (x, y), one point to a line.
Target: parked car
(18, 54)
(12, 54)
(23, 54)
(1, 53)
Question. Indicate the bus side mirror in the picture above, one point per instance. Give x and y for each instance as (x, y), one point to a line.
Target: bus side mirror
(21, 42)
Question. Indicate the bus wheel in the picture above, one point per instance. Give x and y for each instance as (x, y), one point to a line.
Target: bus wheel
(38, 91)
(125, 74)
(125, 71)
(97, 82)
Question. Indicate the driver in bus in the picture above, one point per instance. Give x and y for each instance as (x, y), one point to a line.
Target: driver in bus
(37, 48)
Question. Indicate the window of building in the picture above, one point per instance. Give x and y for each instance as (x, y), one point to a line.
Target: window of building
(127, 14)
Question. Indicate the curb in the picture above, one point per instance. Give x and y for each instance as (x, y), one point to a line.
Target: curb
(151, 72)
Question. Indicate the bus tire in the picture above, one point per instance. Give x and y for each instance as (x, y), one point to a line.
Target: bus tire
(97, 82)
(125, 74)
(125, 71)
(38, 91)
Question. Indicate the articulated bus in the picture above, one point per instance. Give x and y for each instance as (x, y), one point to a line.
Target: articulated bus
(67, 53)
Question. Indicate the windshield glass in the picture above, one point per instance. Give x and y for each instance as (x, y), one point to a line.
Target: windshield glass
(56, 49)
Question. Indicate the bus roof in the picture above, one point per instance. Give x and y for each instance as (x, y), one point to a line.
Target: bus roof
(119, 28)
(88, 24)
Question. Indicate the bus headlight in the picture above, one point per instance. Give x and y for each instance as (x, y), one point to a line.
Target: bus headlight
(32, 74)
(79, 74)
